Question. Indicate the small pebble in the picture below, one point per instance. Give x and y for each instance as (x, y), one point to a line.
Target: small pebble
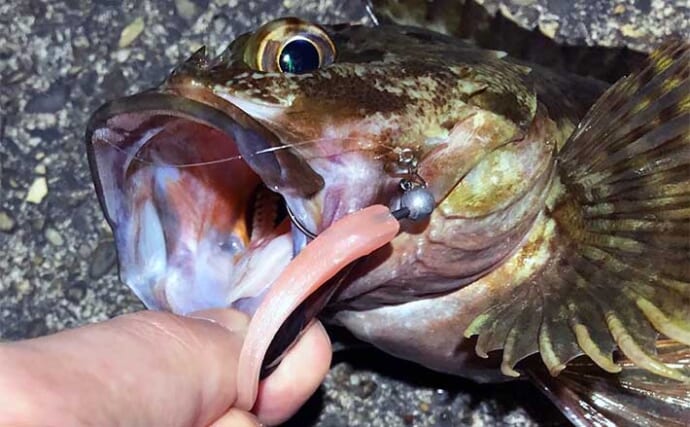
(37, 191)
(84, 250)
(23, 287)
(6, 222)
(103, 259)
(38, 222)
(366, 389)
(186, 9)
(122, 55)
(76, 292)
(54, 237)
(549, 28)
(630, 30)
(131, 32)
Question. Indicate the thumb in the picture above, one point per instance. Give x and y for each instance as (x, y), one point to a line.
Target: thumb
(299, 374)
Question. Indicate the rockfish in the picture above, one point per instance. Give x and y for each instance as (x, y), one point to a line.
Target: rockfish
(559, 220)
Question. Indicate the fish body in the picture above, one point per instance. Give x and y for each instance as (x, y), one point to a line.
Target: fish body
(556, 230)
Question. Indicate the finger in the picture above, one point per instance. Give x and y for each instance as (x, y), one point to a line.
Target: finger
(297, 377)
(148, 368)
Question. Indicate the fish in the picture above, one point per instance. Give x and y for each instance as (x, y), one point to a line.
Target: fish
(557, 248)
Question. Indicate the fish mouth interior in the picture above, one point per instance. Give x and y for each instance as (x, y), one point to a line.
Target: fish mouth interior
(195, 225)
(211, 159)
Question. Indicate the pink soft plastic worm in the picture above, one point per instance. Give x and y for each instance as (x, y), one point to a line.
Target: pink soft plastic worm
(348, 239)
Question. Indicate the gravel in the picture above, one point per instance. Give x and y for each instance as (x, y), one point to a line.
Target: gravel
(635, 24)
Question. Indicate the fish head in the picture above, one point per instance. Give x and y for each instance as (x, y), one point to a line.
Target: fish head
(358, 104)
(197, 175)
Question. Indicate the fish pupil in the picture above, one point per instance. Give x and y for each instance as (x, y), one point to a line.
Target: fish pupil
(299, 56)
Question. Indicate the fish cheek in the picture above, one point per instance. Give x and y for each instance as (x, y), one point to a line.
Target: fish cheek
(491, 207)
(499, 178)
(429, 331)
(475, 134)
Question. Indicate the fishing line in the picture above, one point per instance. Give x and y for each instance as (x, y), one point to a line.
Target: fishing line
(148, 162)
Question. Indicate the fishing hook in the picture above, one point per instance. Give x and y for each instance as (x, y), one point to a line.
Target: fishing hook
(416, 202)
(297, 223)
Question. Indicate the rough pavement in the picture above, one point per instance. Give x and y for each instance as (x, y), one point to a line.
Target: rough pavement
(58, 62)
(636, 24)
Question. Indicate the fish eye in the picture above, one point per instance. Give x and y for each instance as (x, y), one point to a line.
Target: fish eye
(298, 56)
(289, 45)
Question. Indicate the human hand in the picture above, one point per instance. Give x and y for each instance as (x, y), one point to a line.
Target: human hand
(152, 368)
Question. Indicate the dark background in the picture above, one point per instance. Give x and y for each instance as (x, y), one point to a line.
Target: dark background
(60, 60)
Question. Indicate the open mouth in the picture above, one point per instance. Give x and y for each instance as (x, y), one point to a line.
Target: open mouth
(185, 188)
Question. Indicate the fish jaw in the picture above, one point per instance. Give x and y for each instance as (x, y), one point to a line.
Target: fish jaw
(185, 236)
(180, 213)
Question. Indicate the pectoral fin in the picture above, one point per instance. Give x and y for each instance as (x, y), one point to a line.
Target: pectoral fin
(618, 274)
(589, 396)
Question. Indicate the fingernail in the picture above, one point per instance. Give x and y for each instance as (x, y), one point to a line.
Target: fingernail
(232, 320)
